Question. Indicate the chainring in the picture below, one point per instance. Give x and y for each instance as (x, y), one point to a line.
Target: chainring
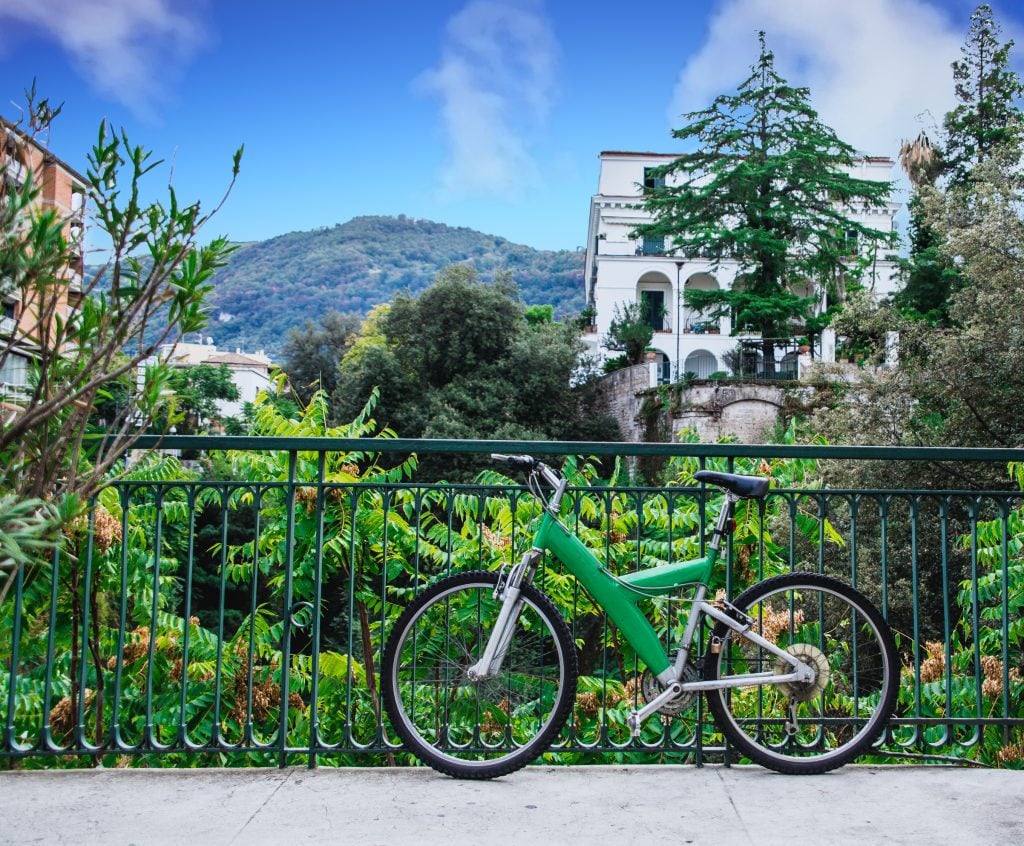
(816, 660)
(652, 688)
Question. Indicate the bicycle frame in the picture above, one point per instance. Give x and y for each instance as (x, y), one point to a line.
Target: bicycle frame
(619, 595)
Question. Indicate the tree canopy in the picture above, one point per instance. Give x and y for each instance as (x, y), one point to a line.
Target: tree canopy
(105, 336)
(312, 353)
(768, 186)
(463, 361)
(986, 120)
(197, 389)
(986, 116)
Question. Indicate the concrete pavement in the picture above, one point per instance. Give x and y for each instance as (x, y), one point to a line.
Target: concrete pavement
(549, 805)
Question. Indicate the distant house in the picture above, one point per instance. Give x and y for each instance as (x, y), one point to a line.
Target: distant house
(249, 371)
(621, 270)
(25, 324)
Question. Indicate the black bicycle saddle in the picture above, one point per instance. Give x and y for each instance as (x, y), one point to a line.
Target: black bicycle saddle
(747, 487)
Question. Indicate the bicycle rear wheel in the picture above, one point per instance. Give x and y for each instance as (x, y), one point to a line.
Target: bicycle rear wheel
(808, 727)
(477, 728)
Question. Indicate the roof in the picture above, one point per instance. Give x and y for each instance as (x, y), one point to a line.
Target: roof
(236, 358)
(857, 157)
(48, 156)
(638, 153)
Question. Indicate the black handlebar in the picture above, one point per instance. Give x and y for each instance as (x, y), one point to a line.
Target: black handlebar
(517, 462)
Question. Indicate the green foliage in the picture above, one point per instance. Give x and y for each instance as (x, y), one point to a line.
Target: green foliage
(959, 379)
(629, 332)
(768, 187)
(864, 325)
(985, 123)
(538, 314)
(86, 348)
(196, 390)
(26, 535)
(354, 266)
(460, 361)
(930, 276)
(986, 116)
(311, 355)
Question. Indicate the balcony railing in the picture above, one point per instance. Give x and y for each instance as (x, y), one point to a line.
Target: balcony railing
(239, 617)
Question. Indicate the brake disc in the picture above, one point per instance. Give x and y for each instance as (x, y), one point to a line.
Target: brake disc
(816, 660)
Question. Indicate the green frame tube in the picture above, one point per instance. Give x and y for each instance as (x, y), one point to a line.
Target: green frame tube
(619, 595)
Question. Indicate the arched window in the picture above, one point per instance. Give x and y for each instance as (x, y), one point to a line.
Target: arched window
(701, 363)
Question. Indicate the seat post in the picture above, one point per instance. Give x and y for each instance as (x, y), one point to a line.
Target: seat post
(721, 527)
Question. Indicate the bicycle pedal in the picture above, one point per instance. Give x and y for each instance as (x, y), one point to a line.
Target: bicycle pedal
(633, 721)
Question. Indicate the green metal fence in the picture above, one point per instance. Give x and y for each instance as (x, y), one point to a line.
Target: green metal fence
(235, 614)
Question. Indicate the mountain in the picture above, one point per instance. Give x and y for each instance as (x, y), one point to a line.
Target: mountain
(275, 285)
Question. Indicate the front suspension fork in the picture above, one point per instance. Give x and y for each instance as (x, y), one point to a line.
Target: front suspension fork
(509, 590)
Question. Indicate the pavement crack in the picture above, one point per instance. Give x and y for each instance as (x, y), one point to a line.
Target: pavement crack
(736, 810)
(263, 804)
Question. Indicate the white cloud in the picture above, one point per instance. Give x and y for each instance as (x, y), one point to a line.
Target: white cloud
(875, 68)
(495, 80)
(124, 48)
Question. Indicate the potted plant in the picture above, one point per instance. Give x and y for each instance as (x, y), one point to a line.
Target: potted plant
(587, 320)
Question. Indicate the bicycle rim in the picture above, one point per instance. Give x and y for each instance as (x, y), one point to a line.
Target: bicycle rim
(478, 729)
(838, 716)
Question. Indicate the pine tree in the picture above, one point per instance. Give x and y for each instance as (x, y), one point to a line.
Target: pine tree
(930, 274)
(986, 90)
(768, 186)
(985, 121)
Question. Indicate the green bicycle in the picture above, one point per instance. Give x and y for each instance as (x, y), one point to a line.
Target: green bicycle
(480, 671)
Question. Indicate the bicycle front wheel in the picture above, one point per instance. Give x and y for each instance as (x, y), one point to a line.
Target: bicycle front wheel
(806, 727)
(473, 728)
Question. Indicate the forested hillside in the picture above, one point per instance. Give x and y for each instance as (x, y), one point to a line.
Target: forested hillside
(274, 285)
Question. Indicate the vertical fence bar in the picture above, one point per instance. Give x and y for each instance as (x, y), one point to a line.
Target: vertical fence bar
(318, 579)
(122, 621)
(80, 740)
(149, 736)
(46, 739)
(914, 503)
(218, 670)
(186, 626)
(350, 736)
(9, 739)
(286, 613)
(947, 626)
(979, 733)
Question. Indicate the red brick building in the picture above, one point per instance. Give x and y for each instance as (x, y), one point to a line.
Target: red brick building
(24, 321)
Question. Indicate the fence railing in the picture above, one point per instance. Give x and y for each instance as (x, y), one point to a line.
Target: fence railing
(235, 613)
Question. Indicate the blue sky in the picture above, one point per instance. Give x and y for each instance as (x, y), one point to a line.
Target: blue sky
(480, 113)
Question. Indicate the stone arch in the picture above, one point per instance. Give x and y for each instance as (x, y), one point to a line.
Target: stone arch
(749, 418)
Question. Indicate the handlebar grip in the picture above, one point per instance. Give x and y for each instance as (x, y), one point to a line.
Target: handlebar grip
(518, 462)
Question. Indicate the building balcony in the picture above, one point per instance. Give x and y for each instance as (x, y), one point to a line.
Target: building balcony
(704, 327)
(14, 171)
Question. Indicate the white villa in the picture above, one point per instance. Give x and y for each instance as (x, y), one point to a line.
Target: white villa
(249, 371)
(622, 270)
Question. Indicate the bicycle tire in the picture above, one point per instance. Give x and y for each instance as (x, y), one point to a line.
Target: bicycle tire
(842, 713)
(477, 729)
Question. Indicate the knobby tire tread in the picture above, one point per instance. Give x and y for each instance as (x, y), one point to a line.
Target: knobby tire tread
(719, 708)
(538, 745)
